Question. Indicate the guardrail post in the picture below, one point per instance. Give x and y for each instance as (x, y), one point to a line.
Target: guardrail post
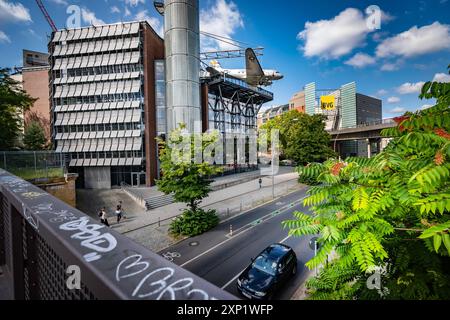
(35, 164)
(31, 263)
(17, 254)
(2, 232)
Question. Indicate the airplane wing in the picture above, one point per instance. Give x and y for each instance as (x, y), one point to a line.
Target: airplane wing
(254, 71)
(212, 71)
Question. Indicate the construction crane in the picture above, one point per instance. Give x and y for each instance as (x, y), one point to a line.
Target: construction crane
(46, 15)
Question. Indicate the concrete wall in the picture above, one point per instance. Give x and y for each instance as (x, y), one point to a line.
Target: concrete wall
(97, 177)
(63, 189)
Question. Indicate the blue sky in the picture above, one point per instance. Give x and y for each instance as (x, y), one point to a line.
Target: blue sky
(323, 41)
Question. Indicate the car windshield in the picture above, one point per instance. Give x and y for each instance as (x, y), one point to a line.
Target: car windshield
(263, 263)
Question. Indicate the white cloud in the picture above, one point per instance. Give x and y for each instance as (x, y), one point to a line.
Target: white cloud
(336, 37)
(90, 18)
(391, 66)
(153, 21)
(416, 41)
(382, 92)
(4, 38)
(441, 77)
(134, 3)
(222, 19)
(408, 88)
(127, 12)
(398, 110)
(360, 60)
(378, 36)
(13, 12)
(386, 17)
(115, 9)
(393, 100)
(426, 106)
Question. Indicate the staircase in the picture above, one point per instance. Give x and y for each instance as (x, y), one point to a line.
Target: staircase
(158, 201)
(151, 198)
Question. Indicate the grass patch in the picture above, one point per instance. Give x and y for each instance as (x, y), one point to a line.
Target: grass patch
(30, 174)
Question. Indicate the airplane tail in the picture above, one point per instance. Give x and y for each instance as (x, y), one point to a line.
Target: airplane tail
(254, 69)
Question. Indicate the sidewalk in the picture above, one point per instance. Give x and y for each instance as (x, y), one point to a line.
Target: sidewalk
(238, 200)
(301, 292)
(228, 202)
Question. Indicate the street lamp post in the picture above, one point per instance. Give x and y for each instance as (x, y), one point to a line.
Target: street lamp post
(273, 179)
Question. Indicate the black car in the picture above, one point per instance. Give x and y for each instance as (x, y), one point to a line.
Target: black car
(268, 272)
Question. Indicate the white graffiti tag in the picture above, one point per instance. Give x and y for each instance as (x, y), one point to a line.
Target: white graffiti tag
(91, 237)
(59, 216)
(28, 214)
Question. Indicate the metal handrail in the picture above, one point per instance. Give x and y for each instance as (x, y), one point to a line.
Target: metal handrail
(373, 123)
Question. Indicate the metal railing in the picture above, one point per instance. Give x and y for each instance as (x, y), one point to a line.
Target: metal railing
(244, 84)
(42, 239)
(31, 165)
(388, 121)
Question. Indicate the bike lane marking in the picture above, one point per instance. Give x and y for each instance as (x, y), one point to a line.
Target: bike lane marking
(238, 234)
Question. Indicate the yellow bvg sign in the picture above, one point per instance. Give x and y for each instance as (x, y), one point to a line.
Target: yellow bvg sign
(327, 102)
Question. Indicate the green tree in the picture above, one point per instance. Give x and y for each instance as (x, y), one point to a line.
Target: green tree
(187, 180)
(13, 102)
(303, 137)
(34, 137)
(389, 213)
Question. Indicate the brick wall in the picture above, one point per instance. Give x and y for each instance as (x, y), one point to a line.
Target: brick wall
(35, 83)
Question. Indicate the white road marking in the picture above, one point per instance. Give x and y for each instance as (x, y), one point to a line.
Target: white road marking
(285, 239)
(232, 280)
(225, 241)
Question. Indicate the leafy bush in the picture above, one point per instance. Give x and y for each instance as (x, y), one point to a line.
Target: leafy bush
(192, 223)
(388, 215)
(307, 175)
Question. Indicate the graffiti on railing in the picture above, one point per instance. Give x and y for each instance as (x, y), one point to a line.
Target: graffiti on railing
(156, 281)
(91, 237)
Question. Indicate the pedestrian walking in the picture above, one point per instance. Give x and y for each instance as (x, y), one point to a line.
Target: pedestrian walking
(119, 213)
(104, 217)
(260, 183)
(122, 212)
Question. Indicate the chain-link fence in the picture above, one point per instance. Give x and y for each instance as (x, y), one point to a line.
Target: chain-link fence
(30, 165)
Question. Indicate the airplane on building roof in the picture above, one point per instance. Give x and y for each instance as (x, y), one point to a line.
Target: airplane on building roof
(254, 75)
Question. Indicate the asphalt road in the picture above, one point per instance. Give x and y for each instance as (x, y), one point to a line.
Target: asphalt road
(220, 258)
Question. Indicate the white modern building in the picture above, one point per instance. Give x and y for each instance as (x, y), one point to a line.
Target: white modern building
(103, 100)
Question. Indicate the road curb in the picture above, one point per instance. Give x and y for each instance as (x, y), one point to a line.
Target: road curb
(242, 213)
(263, 204)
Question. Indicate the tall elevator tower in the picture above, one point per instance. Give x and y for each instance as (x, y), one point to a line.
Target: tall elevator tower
(182, 51)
